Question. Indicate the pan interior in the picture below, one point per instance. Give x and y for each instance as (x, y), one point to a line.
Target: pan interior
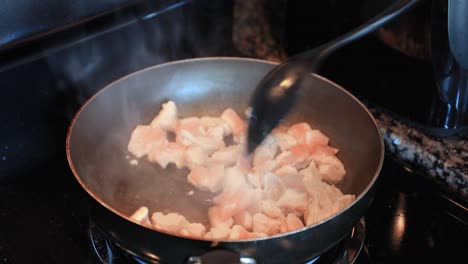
(101, 131)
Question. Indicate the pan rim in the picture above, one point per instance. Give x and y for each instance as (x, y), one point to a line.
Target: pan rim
(97, 198)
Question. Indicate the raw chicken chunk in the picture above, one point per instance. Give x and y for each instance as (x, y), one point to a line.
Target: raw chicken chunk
(167, 117)
(218, 233)
(214, 122)
(286, 170)
(207, 178)
(207, 143)
(141, 216)
(232, 201)
(270, 209)
(265, 224)
(283, 186)
(146, 138)
(265, 152)
(196, 156)
(172, 153)
(284, 140)
(293, 201)
(331, 174)
(217, 219)
(299, 132)
(315, 137)
(234, 178)
(297, 156)
(195, 230)
(239, 232)
(244, 219)
(227, 156)
(291, 223)
(237, 125)
(171, 222)
(273, 187)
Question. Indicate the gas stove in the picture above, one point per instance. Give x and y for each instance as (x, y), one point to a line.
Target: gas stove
(346, 252)
(44, 215)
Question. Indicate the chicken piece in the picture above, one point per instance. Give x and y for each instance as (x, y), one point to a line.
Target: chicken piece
(290, 177)
(256, 203)
(241, 138)
(172, 153)
(265, 152)
(239, 232)
(315, 137)
(192, 126)
(284, 140)
(141, 216)
(318, 151)
(233, 201)
(218, 233)
(267, 166)
(193, 230)
(270, 209)
(207, 178)
(331, 174)
(216, 134)
(312, 179)
(322, 203)
(293, 201)
(343, 202)
(237, 125)
(299, 132)
(171, 222)
(207, 143)
(266, 225)
(234, 178)
(292, 222)
(243, 163)
(273, 187)
(297, 156)
(329, 166)
(217, 219)
(244, 219)
(286, 170)
(146, 138)
(196, 156)
(167, 117)
(283, 227)
(255, 179)
(212, 122)
(227, 156)
(318, 209)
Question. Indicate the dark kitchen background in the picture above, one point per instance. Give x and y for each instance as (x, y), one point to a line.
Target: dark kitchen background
(54, 55)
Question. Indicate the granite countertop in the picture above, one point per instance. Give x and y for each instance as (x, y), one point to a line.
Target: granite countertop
(443, 160)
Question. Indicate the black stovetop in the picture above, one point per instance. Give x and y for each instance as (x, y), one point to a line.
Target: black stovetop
(43, 210)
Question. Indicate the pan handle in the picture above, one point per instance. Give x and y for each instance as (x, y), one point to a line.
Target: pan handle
(220, 256)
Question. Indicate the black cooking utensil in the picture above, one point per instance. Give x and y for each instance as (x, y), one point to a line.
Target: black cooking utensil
(276, 93)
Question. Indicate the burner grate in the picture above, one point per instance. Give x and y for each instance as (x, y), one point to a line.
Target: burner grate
(346, 252)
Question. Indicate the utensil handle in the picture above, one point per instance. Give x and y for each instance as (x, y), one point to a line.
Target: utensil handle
(371, 25)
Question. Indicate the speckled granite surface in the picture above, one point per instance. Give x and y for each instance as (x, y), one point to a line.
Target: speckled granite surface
(443, 160)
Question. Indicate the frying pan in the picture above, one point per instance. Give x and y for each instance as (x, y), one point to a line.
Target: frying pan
(97, 154)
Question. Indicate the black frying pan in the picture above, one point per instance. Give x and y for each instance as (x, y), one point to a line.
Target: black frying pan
(97, 149)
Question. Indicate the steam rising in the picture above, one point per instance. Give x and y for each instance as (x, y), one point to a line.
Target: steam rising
(101, 133)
